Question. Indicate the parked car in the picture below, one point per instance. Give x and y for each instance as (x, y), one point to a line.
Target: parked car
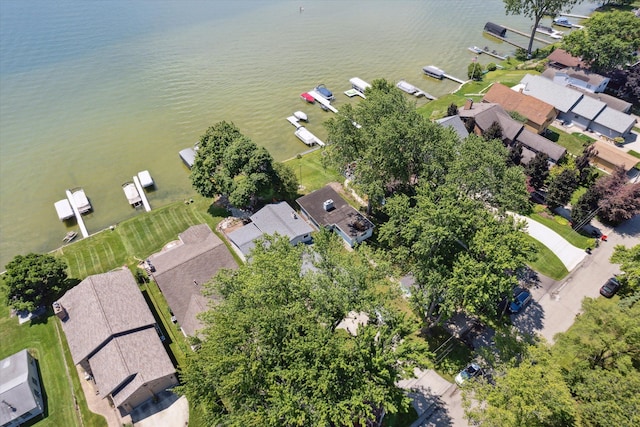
(520, 301)
(610, 288)
(471, 371)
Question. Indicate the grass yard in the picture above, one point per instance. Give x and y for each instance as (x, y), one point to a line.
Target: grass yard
(572, 142)
(547, 262)
(473, 90)
(136, 238)
(560, 225)
(45, 340)
(311, 171)
(634, 153)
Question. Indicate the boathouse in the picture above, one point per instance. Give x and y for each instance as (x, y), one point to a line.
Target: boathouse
(495, 29)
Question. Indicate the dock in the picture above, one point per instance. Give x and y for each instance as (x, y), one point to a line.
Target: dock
(304, 135)
(354, 92)
(538, 39)
(324, 102)
(77, 213)
(294, 121)
(412, 90)
(495, 54)
(574, 16)
(455, 79)
(145, 202)
(505, 40)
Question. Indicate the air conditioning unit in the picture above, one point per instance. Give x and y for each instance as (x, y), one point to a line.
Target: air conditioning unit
(328, 205)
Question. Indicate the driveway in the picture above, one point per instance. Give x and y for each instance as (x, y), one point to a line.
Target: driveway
(553, 310)
(568, 254)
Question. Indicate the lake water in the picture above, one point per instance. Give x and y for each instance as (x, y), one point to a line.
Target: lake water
(92, 92)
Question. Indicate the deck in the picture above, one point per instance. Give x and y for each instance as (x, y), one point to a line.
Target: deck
(294, 121)
(143, 196)
(412, 90)
(322, 100)
(77, 213)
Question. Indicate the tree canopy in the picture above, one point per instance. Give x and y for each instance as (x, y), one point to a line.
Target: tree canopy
(273, 354)
(608, 40)
(618, 200)
(629, 260)
(538, 170)
(462, 255)
(228, 163)
(536, 10)
(33, 280)
(392, 146)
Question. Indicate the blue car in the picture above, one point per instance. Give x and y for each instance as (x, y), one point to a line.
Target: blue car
(520, 301)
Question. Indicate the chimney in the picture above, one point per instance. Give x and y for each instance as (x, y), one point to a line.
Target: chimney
(328, 205)
(60, 311)
(469, 104)
(521, 90)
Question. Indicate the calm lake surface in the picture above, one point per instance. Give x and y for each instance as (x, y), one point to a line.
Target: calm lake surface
(92, 92)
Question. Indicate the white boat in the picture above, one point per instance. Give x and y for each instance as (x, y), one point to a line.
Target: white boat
(69, 236)
(80, 200)
(301, 116)
(475, 49)
(64, 210)
(554, 34)
(563, 22)
(358, 84)
(145, 179)
(307, 137)
(131, 192)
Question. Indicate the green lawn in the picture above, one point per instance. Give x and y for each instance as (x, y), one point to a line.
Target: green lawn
(311, 171)
(572, 142)
(136, 238)
(634, 153)
(547, 262)
(45, 340)
(562, 227)
(474, 90)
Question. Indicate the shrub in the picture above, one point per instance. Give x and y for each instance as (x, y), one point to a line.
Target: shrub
(491, 66)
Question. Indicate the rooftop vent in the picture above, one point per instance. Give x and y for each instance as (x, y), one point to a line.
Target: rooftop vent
(293, 215)
(328, 205)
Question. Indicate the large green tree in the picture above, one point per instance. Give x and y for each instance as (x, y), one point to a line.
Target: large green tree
(33, 280)
(228, 163)
(389, 144)
(538, 170)
(629, 260)
(462, 255)
(536, 10)
(608, 40)
(272, 353)
(561, 188)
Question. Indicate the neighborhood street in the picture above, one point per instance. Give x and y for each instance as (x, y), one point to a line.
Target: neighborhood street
(552, 310)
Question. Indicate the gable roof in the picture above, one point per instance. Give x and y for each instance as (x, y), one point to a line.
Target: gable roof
(611, 101)
(343, 216)
(183, 266)
(589, 108)
(128, 362)
(245, 236)
(455, 123)
(532, 108)
(16, 394)
(615, 120)
(538, 143)
(563, 58)
(282, 219)
(614, 155)
(562, 98)
(101, 306)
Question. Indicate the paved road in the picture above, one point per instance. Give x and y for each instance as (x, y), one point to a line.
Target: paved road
(553, 310)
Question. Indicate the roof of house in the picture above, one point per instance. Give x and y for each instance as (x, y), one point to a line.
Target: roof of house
(611, 101)
(612, 154)
(101, 306)
(564, 58)
(532, 108)
(589, 108)
(563, 98)
(14, 387)
(455, 123)
(123, 365)
(245, 236)
(575, 73)
(282, 219)
(351, 222)
(615, 120)
(539, 143)
(183, 266)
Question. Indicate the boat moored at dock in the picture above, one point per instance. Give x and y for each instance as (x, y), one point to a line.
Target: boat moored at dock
(307, 97)
(324, 92)
(563, 22)
(300, 115)
(69, 236)
(188, 156)
(554, 34)
(132, 194)
(475, 49)
(64, 210)
(304, 135)
(145, 179)
(358, 84)
(80, 200)
(433, 71)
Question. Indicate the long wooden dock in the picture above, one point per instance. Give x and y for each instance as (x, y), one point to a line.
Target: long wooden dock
(538, 39)
(77, 213)
(455, 79)
(145, 202)
(505, 40)
(323, 101)
(570, 15)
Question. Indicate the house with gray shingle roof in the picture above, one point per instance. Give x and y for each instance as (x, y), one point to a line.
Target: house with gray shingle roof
(585, 112)
(183, 266)
(20, 391)
(112, 335)
(456, 124)
(274, 218)
(578, 78)
(326, 208)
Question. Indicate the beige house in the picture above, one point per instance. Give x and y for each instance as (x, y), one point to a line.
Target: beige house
(608, 157)
(113, 336)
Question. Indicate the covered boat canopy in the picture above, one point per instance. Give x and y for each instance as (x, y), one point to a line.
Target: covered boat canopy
(64, 210)
(433, 71)
(359, 84)
(301, 116)
(496, 29)
(310, 99)
(131, 192)
(80, 200)
(188, 156)
(145, 179)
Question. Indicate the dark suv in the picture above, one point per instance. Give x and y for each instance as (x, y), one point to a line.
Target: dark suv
(610, 288)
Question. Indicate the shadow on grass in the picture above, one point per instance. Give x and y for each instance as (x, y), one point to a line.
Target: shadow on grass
(167, 338)
(45, 406)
